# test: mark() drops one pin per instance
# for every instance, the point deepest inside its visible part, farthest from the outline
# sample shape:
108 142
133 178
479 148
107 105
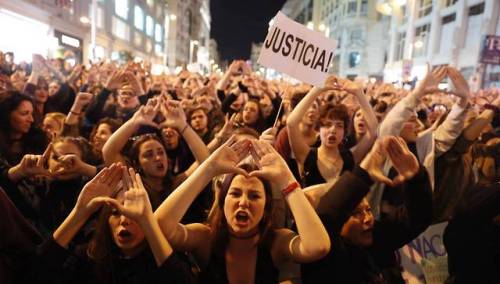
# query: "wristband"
183 129
74 112
494 108
291 187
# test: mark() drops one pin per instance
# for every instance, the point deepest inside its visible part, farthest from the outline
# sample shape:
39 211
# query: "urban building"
361 33
189 35
441 32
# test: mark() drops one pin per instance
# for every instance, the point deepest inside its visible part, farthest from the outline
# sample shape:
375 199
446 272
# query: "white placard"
294 49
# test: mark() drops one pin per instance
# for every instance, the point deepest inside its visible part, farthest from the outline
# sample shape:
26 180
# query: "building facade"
361 33
442 32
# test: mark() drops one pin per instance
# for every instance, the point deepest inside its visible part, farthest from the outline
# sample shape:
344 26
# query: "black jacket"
347 263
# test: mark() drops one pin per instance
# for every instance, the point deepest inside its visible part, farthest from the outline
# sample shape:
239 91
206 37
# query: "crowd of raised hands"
233 178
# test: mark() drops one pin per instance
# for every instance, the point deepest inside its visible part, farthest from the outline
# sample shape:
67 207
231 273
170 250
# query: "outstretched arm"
312 242
144 116
89 201
171 211
299 146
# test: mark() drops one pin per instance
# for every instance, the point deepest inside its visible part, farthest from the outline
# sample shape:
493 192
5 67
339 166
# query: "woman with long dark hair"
239 243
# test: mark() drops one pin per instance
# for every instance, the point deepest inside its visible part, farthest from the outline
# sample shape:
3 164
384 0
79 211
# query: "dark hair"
113 124
218 222
334 112
191 112
137 141
33 142
296 98
259 123
80 142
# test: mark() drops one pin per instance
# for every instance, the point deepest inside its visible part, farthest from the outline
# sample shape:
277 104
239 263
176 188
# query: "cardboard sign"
293 49
426 253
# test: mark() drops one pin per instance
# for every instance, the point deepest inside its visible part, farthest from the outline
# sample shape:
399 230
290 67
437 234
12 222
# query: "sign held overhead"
294 49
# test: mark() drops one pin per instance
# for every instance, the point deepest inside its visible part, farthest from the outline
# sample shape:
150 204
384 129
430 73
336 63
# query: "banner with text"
424 259
294 49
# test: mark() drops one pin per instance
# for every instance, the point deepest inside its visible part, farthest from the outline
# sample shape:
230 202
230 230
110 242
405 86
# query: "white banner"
424 259
293 49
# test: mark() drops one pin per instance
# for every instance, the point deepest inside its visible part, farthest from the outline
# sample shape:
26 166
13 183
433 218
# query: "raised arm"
446 134
402 111
137 207
476 127
144 116
176 118
92 196
300 148
365 144
312 242
171 211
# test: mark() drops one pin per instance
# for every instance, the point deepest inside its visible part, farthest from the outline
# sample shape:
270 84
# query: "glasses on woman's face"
361 213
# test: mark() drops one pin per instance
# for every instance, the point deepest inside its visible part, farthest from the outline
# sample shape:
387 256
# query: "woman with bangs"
148 153
330 159
239 245
127 245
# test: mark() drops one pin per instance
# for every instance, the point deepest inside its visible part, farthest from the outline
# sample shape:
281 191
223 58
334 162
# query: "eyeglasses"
360 214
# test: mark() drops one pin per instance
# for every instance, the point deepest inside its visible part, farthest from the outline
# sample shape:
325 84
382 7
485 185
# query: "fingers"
258 174
132 176
127 180
45 156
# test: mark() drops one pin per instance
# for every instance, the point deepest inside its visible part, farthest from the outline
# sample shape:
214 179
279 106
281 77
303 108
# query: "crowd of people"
110 174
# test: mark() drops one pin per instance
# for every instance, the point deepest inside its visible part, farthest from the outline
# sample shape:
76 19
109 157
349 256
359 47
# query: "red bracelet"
291 187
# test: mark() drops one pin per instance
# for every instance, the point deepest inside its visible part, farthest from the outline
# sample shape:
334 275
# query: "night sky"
238 23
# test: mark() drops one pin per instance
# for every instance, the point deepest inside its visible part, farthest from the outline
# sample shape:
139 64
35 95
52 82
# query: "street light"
84 20
310 25
383 7
173 17
418 44
322 27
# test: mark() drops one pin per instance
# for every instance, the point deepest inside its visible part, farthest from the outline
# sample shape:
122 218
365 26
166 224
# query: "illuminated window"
121 8
138 18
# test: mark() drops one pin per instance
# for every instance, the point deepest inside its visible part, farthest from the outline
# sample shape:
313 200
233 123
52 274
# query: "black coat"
347 263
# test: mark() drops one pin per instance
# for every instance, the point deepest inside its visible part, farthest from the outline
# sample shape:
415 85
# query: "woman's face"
127 234
153 159
331 132
199 120
244 205
359 123
41 96
127 100
21 118
170 138
312 115
358 229
102 135
51 127
250 113
60 149
53 88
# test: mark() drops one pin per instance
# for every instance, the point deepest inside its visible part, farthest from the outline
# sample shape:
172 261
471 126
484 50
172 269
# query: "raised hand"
35 165
403 160
374 161
134 82
145 115
136 205
99 189
460 87
271 164
226 158
269 135
174 115
82 99
115 80
347 85
431 80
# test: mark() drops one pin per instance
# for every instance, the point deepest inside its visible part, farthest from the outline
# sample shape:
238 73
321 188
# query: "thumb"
383 179
398 180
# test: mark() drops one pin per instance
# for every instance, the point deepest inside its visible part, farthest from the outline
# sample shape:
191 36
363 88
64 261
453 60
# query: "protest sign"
427 249
293 49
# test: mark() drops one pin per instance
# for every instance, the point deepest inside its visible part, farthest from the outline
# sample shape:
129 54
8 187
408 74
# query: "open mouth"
124 235
242 217
160 166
